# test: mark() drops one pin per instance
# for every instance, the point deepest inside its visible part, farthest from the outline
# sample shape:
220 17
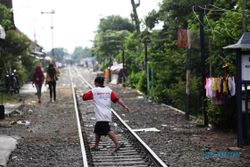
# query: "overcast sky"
74 21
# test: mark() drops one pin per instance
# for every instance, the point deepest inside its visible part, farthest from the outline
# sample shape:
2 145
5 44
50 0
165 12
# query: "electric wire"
209 27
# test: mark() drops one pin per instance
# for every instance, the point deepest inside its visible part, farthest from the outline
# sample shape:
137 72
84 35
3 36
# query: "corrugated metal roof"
243 43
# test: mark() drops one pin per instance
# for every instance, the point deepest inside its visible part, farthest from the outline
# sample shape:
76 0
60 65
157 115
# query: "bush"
177 94
223 116
135 80
27 68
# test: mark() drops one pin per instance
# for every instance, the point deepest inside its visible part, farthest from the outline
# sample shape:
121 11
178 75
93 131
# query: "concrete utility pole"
52 12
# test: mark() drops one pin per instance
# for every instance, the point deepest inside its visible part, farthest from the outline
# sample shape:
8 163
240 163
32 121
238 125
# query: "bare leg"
113 137
118 144
97 140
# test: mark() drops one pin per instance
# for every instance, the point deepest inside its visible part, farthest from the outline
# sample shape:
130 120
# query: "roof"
116 67
38 53
243 43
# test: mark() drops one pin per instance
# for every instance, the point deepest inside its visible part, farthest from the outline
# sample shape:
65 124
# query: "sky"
74 21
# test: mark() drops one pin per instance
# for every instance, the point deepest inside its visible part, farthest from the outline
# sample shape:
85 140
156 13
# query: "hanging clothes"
232 86
219 89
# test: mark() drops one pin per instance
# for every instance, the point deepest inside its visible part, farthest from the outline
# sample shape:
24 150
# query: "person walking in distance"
51 81
102 97
38 79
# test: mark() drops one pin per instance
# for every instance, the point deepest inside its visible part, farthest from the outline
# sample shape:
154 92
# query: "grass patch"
7 98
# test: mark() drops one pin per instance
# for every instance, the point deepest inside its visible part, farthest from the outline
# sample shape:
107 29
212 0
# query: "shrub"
223 116
137 80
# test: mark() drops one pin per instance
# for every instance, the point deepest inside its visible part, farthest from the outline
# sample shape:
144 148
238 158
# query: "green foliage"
223 116
177 13
15 49
16 43
115 23
152 19
7 98
80 53
27 67
222 26
176 93
137 80
110 38
142 83
5 17
59 54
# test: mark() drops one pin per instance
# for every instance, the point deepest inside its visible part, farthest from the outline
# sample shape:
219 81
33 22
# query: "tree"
80 53
135 17
115 23
222 25
59 54
5 17
110 37
14 49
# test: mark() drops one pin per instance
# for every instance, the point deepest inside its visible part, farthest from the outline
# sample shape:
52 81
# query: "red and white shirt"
102 97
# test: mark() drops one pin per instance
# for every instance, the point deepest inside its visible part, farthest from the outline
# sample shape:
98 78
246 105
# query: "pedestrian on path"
51 78
102 97
38 79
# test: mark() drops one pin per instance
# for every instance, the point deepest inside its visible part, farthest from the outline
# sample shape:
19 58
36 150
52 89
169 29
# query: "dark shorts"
102 128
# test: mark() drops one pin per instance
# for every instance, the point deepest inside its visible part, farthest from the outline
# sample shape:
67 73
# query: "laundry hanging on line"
219 89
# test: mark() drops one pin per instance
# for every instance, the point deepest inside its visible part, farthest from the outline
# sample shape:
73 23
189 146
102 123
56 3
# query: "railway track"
135 153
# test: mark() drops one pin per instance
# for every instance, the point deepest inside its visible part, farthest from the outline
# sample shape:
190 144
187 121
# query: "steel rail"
149 150
84 155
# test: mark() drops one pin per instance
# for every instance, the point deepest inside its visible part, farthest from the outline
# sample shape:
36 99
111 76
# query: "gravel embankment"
179 142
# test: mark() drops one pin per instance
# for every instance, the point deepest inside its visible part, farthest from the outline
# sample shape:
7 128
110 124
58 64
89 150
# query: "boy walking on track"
102 97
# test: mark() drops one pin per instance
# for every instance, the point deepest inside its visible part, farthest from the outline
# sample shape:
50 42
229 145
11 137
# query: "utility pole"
203 67
123 67
52 12
203 71
146 64
188 71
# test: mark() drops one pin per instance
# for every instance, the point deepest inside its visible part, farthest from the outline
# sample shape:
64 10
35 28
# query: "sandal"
120 145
